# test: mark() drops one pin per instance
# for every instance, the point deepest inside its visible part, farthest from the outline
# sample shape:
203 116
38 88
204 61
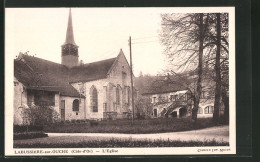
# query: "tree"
218 43
194 40
217 71
143 106
183 36
40 115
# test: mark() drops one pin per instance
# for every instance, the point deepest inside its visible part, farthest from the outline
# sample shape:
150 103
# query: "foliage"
30 128
144 82
40 115
126 126
29 135
143 106
117 143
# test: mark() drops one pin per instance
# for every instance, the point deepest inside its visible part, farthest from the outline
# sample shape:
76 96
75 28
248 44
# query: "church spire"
69 49
69 34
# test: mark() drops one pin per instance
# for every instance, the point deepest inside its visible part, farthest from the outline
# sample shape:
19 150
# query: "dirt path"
220 133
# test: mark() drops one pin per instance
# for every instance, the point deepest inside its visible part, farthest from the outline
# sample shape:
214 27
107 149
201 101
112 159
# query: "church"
76 91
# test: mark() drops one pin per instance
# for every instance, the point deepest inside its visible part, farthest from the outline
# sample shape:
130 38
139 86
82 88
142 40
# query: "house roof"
40 74
160 87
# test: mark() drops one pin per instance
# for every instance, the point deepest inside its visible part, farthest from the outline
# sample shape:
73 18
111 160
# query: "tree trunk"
218 74
198 88
225 100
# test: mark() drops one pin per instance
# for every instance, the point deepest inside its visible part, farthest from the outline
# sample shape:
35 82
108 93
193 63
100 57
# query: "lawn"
125 126
112 143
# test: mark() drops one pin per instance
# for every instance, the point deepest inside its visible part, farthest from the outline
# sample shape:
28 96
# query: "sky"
100 33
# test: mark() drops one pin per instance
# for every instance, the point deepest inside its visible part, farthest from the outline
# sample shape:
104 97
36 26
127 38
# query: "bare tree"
217 42
183 36
194 40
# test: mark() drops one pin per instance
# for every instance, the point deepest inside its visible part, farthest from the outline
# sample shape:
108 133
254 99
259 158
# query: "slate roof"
164 89
91 71
160 87
39 74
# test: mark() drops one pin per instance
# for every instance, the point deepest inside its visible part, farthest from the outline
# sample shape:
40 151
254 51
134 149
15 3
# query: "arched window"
94 99
128 95
200 111
75 105
118 97
209 110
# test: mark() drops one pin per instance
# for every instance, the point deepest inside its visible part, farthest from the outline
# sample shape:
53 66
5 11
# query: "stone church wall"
20 100
120 75
99 85
69 113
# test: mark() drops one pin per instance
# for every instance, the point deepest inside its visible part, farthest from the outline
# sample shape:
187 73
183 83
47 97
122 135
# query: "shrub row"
29 128
123 143
74 121
126 126
29 135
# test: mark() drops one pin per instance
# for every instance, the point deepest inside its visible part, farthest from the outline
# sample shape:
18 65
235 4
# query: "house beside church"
174 100
98 90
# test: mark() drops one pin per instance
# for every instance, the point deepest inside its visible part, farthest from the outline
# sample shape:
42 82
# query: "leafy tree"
40 115
143 106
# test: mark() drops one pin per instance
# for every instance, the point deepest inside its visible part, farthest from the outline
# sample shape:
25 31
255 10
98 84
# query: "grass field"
113 143
125 126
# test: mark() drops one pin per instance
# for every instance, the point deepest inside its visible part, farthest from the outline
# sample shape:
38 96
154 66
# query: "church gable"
120 68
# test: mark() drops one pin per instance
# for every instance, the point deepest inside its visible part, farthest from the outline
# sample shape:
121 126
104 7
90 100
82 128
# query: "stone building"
174 100
97 90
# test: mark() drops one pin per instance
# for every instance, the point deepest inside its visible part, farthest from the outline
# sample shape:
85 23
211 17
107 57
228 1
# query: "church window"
94 99
128 95
75 104
118 95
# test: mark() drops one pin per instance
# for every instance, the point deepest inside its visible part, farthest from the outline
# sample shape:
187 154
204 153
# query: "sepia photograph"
120 81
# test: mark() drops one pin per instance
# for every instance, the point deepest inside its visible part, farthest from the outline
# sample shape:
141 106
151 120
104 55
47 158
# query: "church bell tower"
69 49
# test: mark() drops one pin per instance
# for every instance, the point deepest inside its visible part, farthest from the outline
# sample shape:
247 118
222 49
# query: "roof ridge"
99 61
43 59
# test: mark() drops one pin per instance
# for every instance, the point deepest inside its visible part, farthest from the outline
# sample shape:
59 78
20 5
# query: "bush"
67 121
40 115
27 128
29 135
83 121
125 126
93 123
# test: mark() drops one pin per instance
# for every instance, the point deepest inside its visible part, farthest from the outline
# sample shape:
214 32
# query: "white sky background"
99 33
